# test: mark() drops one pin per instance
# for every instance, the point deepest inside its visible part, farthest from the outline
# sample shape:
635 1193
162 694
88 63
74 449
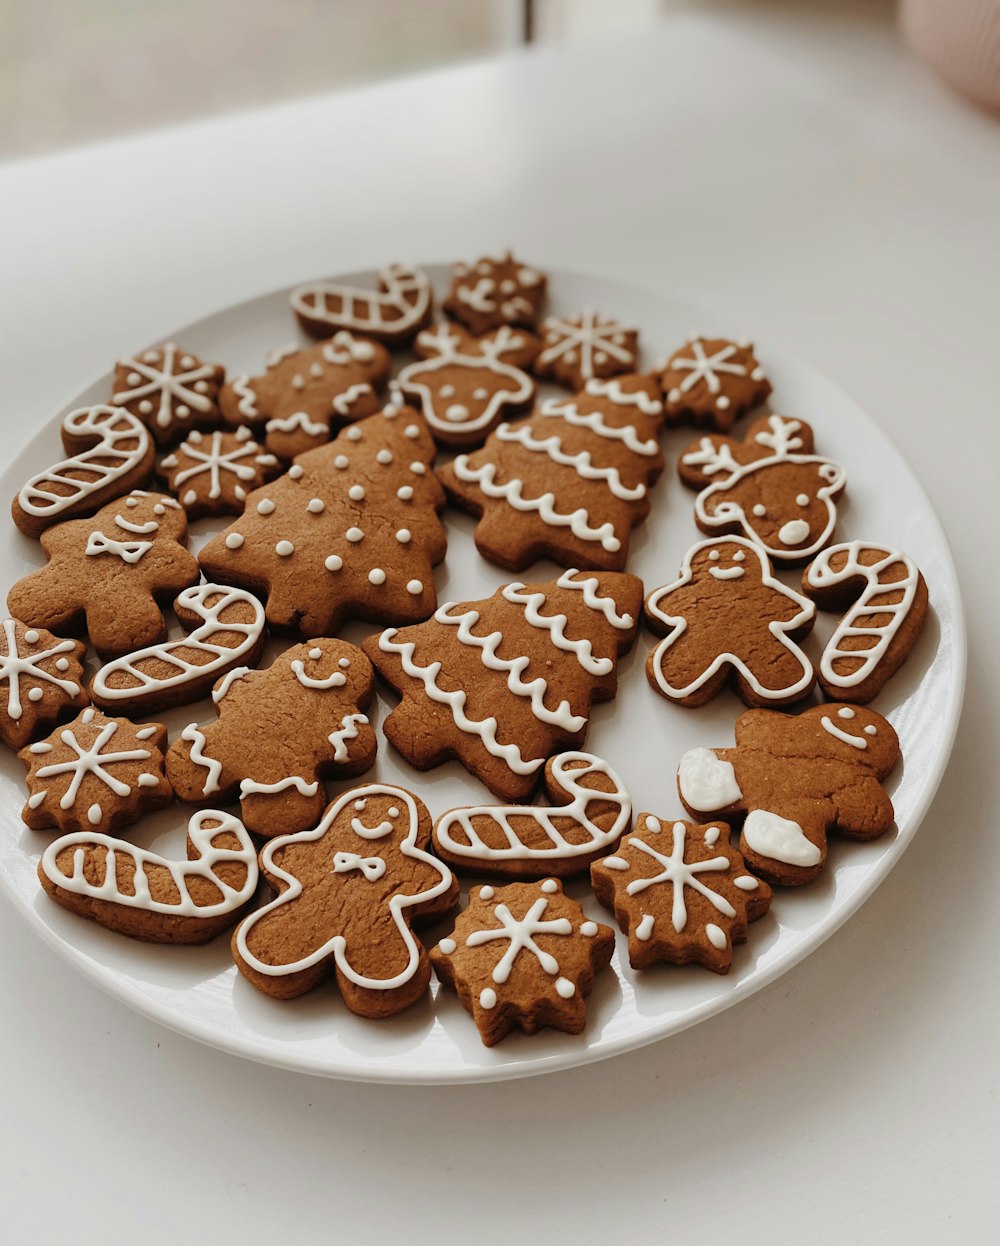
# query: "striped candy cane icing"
402 306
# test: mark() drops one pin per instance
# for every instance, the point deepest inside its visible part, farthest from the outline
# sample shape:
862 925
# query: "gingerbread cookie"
228 631
305 392
885 599
97 774
467 385
148 896
212 473
523 956
402 306
110 571
110 452
44 678
795 779
712 382
502 684
681 893
728 620
587 347
170 390
494 291
352 531
348 893
568 483
278 732
589 810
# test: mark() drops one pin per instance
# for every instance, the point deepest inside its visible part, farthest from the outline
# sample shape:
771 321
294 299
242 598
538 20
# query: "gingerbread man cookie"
523 956
212 473
728 620
793 780
171 390
494 291
401 307
712 382
44 678
348 892
587 347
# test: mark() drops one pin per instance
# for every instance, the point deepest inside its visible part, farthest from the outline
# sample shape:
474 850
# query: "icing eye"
845 713
714 555
802 499
359 805
760 510
871 729
393 811
739 556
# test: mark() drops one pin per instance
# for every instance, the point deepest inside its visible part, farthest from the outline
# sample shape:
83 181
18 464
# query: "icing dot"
384 456
746 883
486 893
145 406
376 576
201 386
354 535
341 461
315 653
296 472
146 733
62 664
159 510
722 402
739 556
480 394
334 562
589 929
600 357
133 378
757 374
359 805
183 411
403 536
393 811
404 492
802 499
31 636
714 555
35 694
712 836
564 988
412 431
148 780
234 540
187 361
390 411
344 663
652 824
447 946
457 413
415 587
488 998
94 814
284 548
447 391
353 433
131 501
417 469
549 886
871 729
716 935
265 506
190 497
760 510
356 493
674 395
315 506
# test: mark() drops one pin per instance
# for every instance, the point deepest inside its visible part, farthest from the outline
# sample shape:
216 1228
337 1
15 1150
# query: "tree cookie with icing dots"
523 956
792 781
110 572
494 291
170 389
44 678
466 385
569 483
587 347
680 892
96 774
278 731
212 473
727 619
351 531
349 891
502 684
305 392
402 305
712 382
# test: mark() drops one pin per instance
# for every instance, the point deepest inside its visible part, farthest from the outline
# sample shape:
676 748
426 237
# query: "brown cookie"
147 896
523 956
110 572
795 779
348 892
352 531
885 599
401 307
278 731
568 483
170 390
44 678
212 473
712 382
228 632
727 619
96 774
587 347
680 892
110 452
590 810
494 291
502 684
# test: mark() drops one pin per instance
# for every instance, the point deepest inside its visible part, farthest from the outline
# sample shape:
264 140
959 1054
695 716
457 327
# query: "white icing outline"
348 730
193 734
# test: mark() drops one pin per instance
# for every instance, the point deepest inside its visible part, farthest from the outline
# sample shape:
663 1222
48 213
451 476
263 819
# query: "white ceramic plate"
197 990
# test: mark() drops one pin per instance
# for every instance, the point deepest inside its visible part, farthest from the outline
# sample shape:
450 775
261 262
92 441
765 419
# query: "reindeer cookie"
212 473
495 291
43 675
402 306
587 347
467 384
278 731
110 571
170 389
727 619
793 780
712 382
348 892
769 486
523 956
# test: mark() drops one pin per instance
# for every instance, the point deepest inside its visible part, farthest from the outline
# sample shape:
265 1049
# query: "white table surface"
805 175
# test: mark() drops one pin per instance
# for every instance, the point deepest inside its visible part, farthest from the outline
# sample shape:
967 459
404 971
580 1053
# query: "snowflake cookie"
44 681
170 390
711 382
587 347
680 892
212 473
494 291
402 305
349 890
523 956
96 774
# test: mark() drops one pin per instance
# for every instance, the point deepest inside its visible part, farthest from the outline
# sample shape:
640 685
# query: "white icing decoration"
487 998
593 334
372 868
394 313
831 727
581 462
447 946
521 934
779 838
681 874
348 731
215 461
196 738
14 665
706 367
644 930
716 936
243 388
595 600
612 390
127 551
706 782
227 681
91 759
415 587
555 408
160 380
342 403
298 420
251 787
336 679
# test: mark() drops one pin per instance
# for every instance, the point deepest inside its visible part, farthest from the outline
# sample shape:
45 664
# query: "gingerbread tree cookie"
348 892
569 483
212 473
494 291
523 956
278 731
110 571
97 774
680 892
170 390
305 392
351 531
792 781
502 684
402 305
727 619
712 382
44 680
587 347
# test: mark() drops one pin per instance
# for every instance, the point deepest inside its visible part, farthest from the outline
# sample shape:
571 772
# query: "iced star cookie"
42 676
96 774
680 892
523 956
401 306
349 891
494 291
792 781
727 619
170 389
712 382
212 473
587 347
